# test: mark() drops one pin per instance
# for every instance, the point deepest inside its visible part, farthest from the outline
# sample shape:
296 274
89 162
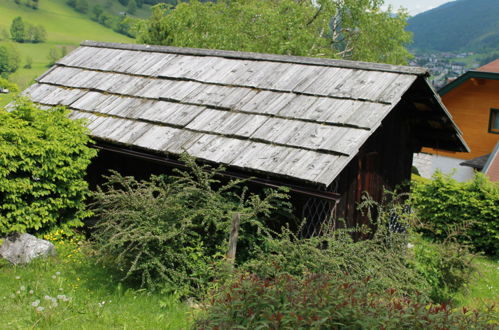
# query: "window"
494 121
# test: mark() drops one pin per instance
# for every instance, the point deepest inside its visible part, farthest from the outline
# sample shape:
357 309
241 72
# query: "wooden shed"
327 129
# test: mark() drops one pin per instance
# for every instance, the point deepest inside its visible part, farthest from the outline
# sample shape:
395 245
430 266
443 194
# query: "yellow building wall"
469 105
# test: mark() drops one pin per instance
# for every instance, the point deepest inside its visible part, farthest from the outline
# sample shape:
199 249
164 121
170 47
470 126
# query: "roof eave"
463 78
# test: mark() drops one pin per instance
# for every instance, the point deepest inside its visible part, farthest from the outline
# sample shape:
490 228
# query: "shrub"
12 87
169 233
446 266
445 205
9 60
384 257
323 301
43 159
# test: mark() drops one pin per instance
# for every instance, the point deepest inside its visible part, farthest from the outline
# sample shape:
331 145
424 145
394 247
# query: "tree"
132 7
40 34
17 29
96 12
81 6
47 155
9 60
53 55
29 63
349 29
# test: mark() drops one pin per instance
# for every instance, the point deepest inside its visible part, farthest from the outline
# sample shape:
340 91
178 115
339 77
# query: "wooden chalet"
473 101
327 129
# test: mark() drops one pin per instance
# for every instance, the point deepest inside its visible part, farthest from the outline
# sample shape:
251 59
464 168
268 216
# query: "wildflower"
18 292
35 303
54 304
54 301
39 309
23 288
54 277
12 295
31 291
60 289
101 304
18 277
58 273
47 297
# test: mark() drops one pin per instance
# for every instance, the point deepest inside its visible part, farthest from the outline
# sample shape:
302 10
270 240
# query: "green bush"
446 266
336 253
43 160
323 301
12 87
445 206
384 257
171 233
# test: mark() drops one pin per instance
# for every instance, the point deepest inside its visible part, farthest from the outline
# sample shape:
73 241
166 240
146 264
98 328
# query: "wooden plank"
153 70
331 170
298 106
276 130
261 101
181 141
269 75
73 56
155 88
91 101
234 233
208 95
156 137
235 96
291 77
394 92
227 123
260 57
62 96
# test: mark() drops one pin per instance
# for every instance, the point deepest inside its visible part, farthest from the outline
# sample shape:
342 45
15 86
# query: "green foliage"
17 29
12 87
9 60
357 30
446 266
21 31
131 7
170 233
43 159
446 206
384 257
323 301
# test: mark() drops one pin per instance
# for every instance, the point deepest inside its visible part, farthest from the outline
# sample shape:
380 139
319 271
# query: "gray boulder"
22 248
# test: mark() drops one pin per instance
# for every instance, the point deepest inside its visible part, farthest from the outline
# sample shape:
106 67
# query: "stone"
22 248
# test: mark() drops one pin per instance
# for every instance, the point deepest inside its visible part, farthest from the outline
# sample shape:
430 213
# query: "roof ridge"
262 57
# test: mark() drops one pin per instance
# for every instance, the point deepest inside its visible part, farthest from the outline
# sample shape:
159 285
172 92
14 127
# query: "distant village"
445 66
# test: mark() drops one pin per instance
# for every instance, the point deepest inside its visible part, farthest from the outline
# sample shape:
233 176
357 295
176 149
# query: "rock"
22 248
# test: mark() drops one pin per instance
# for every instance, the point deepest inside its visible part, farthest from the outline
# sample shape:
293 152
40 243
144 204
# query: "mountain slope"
64 26
457 25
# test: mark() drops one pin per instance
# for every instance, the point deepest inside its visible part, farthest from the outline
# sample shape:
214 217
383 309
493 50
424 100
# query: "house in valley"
327 129
473 101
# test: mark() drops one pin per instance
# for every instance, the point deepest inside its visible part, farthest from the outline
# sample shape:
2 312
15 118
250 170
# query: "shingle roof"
491 168
302 118
490 67
477 163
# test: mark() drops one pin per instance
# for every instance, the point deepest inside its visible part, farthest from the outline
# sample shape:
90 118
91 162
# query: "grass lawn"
483 289
65 27
71 292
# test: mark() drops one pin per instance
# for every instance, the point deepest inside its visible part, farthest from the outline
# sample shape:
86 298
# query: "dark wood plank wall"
384 162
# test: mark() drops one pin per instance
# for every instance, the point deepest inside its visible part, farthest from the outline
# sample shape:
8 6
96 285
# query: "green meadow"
65 28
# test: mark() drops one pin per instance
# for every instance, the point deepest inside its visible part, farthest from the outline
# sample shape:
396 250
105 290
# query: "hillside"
65 28
470 25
